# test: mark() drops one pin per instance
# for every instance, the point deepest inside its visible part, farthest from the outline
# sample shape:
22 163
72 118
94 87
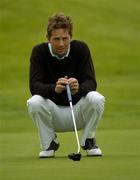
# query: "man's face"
60 40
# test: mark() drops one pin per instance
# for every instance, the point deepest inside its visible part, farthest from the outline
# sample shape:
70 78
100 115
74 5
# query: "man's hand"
74 85
61 84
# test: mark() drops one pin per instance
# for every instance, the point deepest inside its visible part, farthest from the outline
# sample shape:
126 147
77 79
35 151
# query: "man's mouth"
60 49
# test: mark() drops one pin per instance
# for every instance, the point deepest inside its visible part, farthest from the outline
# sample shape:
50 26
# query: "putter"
73 156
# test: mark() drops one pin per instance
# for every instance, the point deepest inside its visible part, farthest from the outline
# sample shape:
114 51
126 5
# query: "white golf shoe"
94 152
50 152
91 148
47 154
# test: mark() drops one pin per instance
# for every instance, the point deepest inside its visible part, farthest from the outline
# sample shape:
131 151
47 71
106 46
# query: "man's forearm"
44 90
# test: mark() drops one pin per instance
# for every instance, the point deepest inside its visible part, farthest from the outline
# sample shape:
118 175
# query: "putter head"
75 156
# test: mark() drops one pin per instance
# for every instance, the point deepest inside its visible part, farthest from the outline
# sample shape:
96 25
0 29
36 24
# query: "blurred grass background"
112 31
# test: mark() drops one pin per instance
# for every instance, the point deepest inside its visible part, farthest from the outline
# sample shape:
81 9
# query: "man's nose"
61 43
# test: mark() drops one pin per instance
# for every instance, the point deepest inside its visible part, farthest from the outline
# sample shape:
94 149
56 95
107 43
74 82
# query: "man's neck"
55 55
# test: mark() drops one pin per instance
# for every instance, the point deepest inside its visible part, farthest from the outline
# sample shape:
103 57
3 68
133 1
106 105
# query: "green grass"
112 31
120 160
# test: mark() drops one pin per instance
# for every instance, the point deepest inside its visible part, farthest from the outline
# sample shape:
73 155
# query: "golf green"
112 31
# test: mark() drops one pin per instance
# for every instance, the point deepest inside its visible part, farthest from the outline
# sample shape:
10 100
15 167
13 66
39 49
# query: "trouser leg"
39 110
92 107
50 118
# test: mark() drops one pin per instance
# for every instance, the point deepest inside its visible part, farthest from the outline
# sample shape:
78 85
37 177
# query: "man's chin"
61 54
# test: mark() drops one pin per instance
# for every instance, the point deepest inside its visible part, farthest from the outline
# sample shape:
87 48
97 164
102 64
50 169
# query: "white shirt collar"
54 55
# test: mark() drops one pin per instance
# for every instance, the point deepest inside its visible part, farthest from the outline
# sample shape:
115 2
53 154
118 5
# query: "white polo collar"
56 56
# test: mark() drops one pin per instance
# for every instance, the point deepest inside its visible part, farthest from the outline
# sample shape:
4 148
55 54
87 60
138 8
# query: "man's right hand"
61 84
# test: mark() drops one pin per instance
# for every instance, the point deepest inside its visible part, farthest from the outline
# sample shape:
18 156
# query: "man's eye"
56 39
65 38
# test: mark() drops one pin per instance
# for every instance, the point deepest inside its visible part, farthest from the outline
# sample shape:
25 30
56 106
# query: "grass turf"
112 31
120 160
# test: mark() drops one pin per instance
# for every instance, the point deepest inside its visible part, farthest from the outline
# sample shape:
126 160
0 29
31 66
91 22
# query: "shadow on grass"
33 159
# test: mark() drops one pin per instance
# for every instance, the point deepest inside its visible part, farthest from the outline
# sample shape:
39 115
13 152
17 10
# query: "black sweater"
46 69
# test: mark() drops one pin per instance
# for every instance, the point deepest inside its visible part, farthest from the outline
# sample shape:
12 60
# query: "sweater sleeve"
86 72
37 85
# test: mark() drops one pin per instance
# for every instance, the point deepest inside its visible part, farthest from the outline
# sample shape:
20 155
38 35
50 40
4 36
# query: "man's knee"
95 99
34 103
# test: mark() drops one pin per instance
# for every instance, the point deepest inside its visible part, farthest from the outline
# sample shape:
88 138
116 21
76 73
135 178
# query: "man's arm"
86 72
37 85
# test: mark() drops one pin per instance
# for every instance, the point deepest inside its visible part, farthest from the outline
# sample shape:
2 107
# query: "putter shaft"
75 127
73 117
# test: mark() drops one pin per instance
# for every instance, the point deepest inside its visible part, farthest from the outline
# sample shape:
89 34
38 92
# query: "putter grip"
69 93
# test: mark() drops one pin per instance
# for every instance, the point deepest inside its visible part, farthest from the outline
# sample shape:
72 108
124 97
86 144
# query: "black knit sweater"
46 69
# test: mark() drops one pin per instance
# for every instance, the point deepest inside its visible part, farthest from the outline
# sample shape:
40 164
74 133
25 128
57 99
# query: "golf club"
73 156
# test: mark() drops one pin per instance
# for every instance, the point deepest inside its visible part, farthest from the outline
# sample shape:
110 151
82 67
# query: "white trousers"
51 118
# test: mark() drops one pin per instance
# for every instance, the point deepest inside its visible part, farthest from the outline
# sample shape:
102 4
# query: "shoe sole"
96 155
43 157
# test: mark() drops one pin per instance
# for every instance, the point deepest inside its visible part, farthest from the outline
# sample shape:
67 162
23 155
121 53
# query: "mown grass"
112 31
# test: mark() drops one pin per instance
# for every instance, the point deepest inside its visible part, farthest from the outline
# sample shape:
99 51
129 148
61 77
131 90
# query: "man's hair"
59 21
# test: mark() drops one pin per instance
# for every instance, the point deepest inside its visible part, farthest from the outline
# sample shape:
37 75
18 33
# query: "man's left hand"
74 85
